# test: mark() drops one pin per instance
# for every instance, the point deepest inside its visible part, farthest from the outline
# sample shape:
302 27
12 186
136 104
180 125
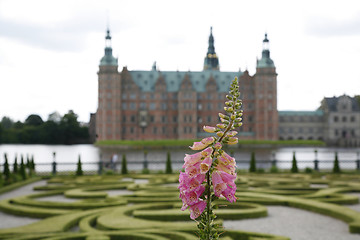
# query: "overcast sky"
50 50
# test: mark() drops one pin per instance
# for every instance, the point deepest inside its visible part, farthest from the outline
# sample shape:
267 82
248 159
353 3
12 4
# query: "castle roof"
146 79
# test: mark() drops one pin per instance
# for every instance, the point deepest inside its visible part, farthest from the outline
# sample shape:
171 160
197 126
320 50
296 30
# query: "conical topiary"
294 168
79 171
168 169
6 169
336 168
124 165
252 163
22 168
15 167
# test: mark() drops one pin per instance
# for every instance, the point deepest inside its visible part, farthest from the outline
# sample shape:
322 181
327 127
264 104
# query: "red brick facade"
134 105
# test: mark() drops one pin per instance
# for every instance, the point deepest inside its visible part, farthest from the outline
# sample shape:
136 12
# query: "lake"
67 156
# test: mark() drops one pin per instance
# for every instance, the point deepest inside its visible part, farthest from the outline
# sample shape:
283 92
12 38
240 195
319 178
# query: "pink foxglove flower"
211 173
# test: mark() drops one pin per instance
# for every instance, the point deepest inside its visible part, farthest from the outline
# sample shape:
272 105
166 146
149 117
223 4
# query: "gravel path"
8 220
296 224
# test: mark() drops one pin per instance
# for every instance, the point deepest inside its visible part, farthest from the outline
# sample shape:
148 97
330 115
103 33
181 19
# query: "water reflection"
90 156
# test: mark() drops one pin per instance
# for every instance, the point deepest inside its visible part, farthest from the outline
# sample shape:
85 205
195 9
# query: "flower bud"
220 133
217 146
229 109
209 129
231 133
229 103
239 124
233 140
220 125
223 116
238 120
224 121
232 117
229 97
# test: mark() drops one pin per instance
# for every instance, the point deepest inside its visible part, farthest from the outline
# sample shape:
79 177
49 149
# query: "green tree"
336 168
124 169
15 167
22 169
1 133
168 169
7 122
79 171
294 167
6 169
34 120
252 163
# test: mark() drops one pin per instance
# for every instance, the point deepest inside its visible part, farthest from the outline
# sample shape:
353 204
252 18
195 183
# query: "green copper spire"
265 60
211 61
108 59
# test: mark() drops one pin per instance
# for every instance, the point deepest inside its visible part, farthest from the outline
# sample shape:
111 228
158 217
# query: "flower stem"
208 212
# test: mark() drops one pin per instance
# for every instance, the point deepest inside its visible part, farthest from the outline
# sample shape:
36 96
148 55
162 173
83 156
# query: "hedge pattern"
150 209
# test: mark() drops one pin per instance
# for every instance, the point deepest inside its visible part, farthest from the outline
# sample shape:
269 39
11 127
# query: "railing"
101 167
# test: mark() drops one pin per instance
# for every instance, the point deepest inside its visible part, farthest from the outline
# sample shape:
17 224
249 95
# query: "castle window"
155 130
142 105
174 118
131 130
152 106
352 118
124 129
199 120
132 96
174 106
163 106
152 118
220 106
199 106
344 119
123 96
124 106
124 118
132 106
175 130
209 106
209 119
163 119
163 130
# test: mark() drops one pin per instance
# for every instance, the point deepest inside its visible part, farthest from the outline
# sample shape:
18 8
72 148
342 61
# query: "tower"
108 112
266 114
211 61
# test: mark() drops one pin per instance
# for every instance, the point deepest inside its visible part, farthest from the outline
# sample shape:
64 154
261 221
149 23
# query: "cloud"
69 35
330 27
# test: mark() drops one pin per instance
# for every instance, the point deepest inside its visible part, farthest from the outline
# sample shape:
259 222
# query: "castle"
147 105
136 105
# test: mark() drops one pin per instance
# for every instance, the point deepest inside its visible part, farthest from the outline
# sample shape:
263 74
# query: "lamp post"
54 164
316 161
